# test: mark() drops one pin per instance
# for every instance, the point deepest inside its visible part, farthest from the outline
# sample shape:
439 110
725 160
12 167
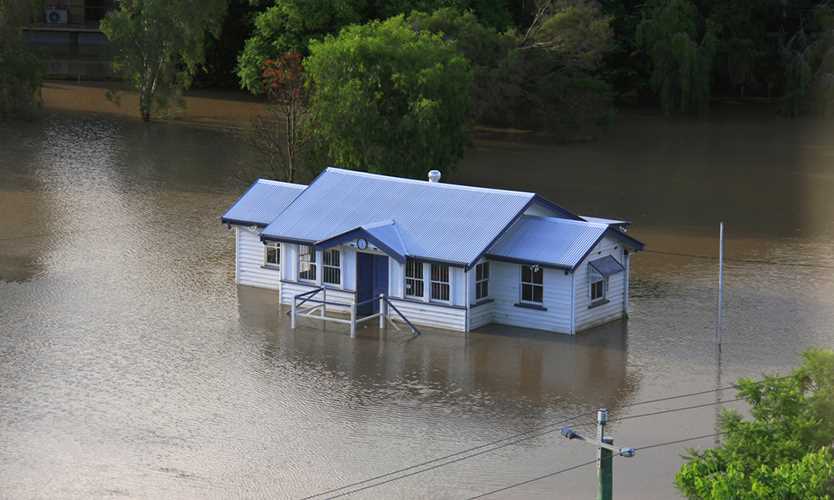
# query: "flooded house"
442 255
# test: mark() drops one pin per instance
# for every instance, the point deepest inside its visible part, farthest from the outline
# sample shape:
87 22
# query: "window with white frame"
598 285
272 254
440 282
306 263
482 281
331 264
532 284
414 278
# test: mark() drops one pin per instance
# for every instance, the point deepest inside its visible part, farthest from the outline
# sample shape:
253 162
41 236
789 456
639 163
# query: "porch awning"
607 266
384 235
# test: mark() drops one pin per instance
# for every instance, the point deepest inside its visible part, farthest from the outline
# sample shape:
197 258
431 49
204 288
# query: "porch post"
292 314
381 311
353 320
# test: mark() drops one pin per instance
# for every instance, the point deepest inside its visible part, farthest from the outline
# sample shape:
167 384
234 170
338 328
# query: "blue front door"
371 281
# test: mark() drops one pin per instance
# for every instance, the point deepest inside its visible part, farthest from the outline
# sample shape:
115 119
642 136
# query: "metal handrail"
311 293
414 329
367 301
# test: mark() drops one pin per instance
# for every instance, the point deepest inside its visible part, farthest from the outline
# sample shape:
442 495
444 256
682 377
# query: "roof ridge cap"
443 185
279 183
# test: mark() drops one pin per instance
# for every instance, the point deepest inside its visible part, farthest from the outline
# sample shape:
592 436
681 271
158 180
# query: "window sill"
598 303
530 306
423 302
482 302
271 267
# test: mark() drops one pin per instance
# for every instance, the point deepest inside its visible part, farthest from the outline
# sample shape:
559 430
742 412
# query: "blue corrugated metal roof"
384 235
607 265
436 221
263 201
548 241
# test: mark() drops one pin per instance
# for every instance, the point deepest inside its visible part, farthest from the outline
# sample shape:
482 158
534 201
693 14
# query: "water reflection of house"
67 31
503 365
446 256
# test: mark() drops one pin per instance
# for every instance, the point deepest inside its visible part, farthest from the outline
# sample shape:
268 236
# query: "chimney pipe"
434 176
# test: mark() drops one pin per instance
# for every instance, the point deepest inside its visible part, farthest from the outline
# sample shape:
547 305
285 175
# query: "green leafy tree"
21 70
495 14
681 48
160 44
742 48
389 98
552 77
483 46
784 451
288 26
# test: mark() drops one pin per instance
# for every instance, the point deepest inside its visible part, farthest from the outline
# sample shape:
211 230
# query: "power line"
525 436
678 441
745 261
545 476
669 410
517 438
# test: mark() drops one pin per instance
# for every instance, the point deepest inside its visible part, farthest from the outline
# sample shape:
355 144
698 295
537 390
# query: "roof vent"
434 175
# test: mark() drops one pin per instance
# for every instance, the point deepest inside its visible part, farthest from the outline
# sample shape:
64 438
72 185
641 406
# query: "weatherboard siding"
289 290
505 290
433 315
249 252
481 314
588 317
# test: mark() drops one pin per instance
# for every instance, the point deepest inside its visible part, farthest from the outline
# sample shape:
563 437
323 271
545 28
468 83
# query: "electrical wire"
545 476
513 439
491 446
678 441
745 261
669 410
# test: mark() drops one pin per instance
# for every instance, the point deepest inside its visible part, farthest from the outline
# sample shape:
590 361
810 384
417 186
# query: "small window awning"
607 266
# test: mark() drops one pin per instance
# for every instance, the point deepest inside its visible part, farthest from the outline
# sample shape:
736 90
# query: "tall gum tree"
160 44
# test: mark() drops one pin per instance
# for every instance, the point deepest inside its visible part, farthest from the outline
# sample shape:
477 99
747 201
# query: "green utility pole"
605 454
605 466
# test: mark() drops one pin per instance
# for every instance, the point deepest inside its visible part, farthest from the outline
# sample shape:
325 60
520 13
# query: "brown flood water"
130 364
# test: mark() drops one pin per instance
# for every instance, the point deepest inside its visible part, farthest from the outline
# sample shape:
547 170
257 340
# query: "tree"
288 26
553 75
482 46
160 44
681 49
784 451
493 14
281 135
388 98
21 70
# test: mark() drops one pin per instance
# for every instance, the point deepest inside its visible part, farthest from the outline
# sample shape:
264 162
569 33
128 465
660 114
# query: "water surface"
132 366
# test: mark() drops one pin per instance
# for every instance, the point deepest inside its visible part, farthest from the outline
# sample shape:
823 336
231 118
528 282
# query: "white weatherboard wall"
587 317
423 312
505 289
249 252
291 286
480 312
432 315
